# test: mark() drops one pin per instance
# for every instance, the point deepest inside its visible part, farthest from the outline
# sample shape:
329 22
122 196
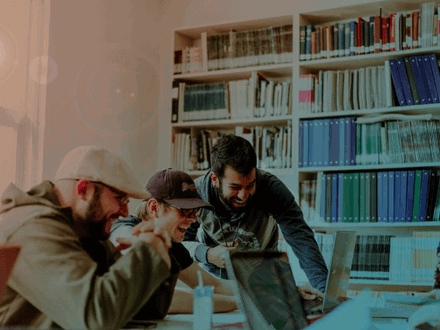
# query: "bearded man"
250 206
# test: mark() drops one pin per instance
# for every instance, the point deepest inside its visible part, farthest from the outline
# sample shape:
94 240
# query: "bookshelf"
290 68
306 174
199 65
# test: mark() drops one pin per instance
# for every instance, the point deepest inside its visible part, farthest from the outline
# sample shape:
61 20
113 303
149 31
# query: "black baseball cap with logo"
176 188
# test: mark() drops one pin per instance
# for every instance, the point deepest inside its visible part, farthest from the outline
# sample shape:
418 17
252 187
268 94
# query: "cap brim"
138 194
189 203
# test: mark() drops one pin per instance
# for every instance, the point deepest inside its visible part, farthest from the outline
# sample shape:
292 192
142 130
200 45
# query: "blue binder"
419 81
395 75
405 82
410 195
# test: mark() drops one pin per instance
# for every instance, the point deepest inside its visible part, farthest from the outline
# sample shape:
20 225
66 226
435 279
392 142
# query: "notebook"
8 256
268 295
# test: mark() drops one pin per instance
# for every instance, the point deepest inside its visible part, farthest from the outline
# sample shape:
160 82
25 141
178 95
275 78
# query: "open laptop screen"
267 290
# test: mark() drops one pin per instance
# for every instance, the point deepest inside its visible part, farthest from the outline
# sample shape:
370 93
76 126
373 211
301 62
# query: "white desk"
185 321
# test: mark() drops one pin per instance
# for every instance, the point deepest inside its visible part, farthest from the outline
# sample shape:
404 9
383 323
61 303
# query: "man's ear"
153 206
83 187
214 179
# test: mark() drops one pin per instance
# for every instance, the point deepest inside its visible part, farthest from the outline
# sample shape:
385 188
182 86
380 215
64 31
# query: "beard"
95 219
228 200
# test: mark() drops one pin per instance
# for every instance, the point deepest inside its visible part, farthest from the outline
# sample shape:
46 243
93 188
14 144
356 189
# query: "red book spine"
392 32
385 34
377 35
415 29
359 36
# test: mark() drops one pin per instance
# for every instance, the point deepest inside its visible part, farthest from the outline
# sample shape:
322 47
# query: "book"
391 209
435 72
424 75
395 75
424 194
373 197
175 102
410 195
421 89
432 194
334 198
417 195
426 64
412 81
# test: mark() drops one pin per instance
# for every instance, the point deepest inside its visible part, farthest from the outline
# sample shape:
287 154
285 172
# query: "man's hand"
153 227
216 255
152 240
307 292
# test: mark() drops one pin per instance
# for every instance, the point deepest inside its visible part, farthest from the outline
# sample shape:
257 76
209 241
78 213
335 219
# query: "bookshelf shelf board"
407 110
275 171
385 282
222 123
194 32
381 167
415 225
361 61
269 71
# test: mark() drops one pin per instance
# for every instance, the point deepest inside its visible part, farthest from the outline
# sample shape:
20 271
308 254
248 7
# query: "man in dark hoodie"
250 205
68 273
175 203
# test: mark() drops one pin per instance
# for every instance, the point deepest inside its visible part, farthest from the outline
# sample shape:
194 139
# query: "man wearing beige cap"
175 203
69 274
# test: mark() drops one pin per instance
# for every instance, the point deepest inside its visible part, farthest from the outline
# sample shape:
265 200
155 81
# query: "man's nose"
242 194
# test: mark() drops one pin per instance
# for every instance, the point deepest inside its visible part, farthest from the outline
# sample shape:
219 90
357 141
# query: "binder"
403 194
355 197
426 64
334 198
432 194
334 142
341 199
435 72
405 82
391 196
412 81
397 202
417 195
410 195
326 142
425 80
373 197
424 195
397 83
419 82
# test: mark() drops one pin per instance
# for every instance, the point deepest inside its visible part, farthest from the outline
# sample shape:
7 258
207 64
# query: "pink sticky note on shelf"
8 256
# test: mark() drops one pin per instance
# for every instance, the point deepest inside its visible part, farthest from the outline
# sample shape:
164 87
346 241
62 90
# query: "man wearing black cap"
174 205
250 205
68 274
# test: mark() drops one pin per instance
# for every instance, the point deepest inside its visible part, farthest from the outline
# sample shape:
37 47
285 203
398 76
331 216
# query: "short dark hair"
234 151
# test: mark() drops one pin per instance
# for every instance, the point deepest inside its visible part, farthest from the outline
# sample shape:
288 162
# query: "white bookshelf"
192 36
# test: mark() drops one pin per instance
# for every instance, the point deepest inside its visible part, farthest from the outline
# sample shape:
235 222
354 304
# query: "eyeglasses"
121 197
188 213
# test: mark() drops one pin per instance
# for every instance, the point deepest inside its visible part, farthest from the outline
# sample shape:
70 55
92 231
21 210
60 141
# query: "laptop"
338 275
8 256
268 295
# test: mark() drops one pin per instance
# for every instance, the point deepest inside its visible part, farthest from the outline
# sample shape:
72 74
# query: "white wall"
107 89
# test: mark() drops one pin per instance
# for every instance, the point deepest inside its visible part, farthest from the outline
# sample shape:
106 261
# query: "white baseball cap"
98 164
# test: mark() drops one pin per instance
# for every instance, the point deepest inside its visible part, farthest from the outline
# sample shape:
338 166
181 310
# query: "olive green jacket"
63 280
